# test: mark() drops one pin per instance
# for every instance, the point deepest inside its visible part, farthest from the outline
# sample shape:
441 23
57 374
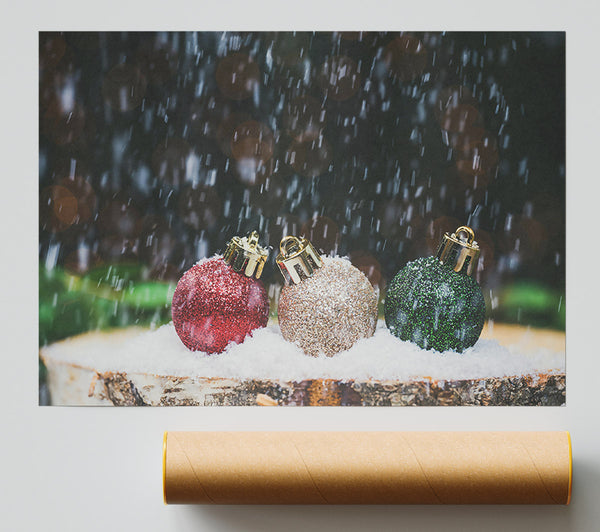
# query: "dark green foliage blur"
106 297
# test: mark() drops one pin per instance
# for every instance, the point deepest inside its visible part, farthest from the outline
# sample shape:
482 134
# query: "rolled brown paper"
367 467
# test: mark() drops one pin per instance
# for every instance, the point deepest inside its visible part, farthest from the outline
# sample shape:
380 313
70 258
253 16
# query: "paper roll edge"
164 467
570 467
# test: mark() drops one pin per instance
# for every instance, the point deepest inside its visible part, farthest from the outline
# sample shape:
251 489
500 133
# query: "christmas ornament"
326 304
434 302
220 300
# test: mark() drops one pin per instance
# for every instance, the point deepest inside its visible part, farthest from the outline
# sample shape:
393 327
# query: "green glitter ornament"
434 302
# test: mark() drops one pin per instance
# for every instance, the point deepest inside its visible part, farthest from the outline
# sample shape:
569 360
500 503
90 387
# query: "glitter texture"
213 305
435 307
328 312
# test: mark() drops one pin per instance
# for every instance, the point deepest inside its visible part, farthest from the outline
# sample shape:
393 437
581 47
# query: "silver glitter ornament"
326 304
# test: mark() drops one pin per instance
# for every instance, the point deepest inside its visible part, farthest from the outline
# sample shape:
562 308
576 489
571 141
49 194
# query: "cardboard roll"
367 467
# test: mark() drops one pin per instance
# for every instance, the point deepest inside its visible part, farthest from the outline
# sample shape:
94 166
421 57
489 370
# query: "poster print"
302 218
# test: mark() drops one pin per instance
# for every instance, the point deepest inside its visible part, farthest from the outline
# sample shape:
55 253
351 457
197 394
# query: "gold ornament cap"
459 253
245 256
297 259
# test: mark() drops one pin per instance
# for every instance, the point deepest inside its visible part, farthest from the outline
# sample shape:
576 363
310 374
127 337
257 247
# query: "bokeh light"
340 77
156 148
323 232
252 140
369 265
405 57
124 87
304 118
169 161
200 208
237 76
158 62
311 158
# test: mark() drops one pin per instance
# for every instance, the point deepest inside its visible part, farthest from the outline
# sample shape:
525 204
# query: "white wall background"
100 468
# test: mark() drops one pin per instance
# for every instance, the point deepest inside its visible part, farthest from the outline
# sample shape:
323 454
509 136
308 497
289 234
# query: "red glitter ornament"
219 300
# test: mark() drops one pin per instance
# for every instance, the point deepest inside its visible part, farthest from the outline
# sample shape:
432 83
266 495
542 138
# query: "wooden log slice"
73 384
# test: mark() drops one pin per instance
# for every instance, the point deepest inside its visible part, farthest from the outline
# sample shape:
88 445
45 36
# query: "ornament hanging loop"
470 234
297 259
289 245
253 240
461 255
245 256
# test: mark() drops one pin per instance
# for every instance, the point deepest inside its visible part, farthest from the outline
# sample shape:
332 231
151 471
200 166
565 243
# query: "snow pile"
266 355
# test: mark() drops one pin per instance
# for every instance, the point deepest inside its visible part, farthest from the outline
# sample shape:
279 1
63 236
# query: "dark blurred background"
156 148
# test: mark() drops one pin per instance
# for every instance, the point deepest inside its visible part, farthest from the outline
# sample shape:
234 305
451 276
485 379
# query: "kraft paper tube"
367 467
